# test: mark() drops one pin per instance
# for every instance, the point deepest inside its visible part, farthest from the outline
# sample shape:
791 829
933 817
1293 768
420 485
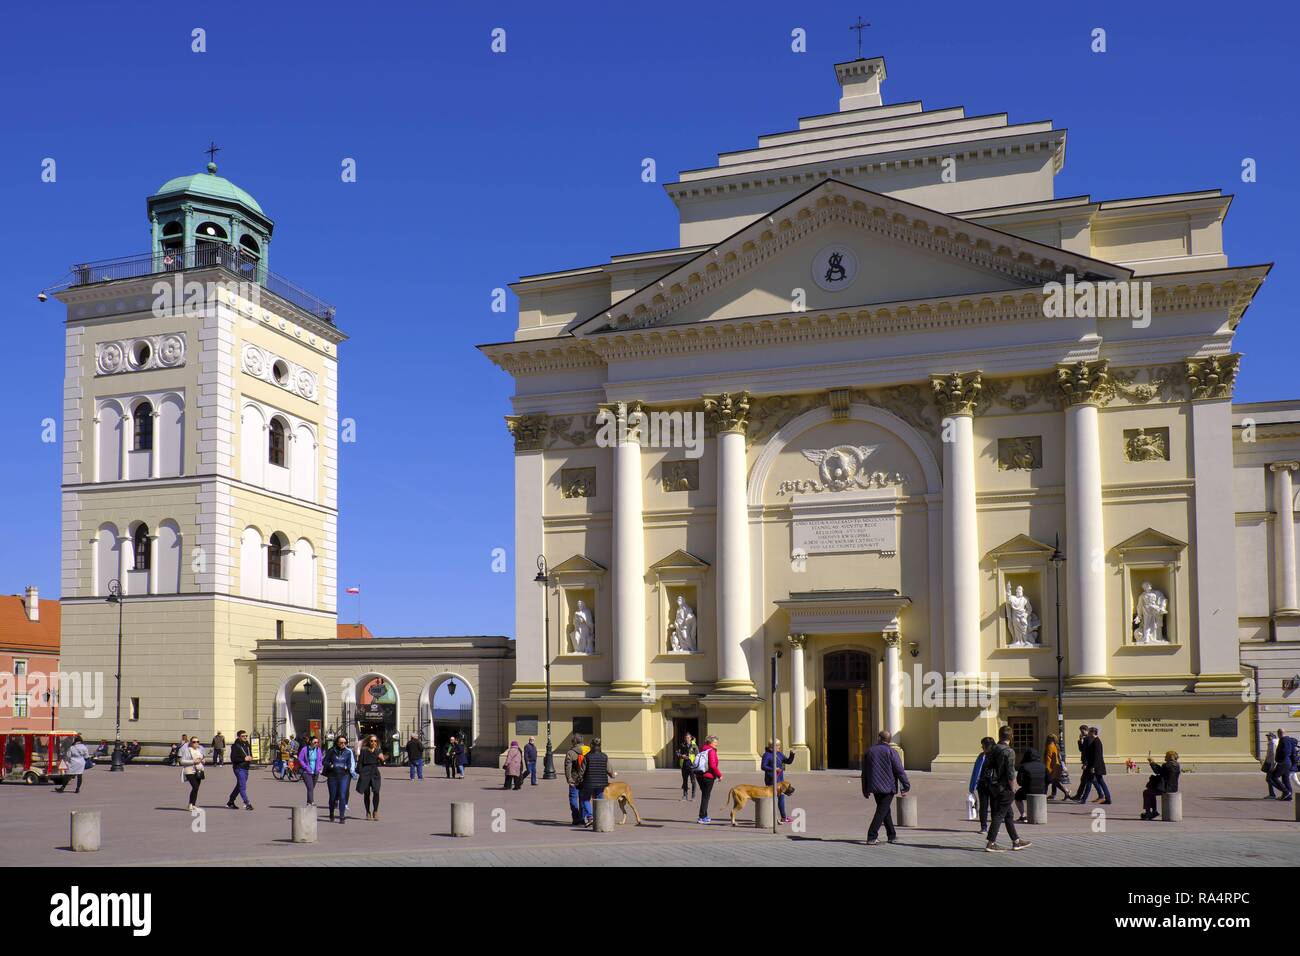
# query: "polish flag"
354 590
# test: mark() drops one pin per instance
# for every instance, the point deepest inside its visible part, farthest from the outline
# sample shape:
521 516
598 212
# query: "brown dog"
620 791
742 793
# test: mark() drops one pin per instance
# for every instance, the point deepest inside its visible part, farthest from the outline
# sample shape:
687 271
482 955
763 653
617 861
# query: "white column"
798 698
893 681
155 453
956 395
629 552
153 564
729 414
1085 566
1284 537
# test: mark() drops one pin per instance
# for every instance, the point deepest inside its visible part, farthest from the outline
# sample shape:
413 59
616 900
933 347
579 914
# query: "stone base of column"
628 687
802 758
735 687
528 691
1218 683
1089 682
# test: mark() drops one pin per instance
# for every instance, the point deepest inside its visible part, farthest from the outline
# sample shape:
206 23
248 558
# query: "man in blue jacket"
1285 757
978 788
882 777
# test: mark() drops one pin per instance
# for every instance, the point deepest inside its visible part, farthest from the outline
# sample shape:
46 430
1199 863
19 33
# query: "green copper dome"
210 185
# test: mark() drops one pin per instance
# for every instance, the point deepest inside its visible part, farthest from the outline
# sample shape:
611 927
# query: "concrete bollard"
1171 807
303 824
462 819
85 831
1036 807
605 815
764 807
905 810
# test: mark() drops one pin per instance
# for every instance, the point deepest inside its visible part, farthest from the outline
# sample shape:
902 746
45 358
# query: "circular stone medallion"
834 268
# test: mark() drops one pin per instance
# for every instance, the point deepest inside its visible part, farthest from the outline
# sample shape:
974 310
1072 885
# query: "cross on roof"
213 148
860 26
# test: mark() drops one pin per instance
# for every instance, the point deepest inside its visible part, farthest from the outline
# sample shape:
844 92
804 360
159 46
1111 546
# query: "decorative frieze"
727 412
1213 376
1146 444
957 393
1020 454
1083 383
269 367
140 354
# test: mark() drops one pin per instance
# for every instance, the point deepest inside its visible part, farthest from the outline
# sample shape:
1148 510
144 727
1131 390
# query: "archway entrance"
846 705
376 709
448 708
301 706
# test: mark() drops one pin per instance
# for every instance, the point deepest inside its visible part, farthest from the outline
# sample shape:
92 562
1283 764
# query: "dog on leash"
620 791
742 793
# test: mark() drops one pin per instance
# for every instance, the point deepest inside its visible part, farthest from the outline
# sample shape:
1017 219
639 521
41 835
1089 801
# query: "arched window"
276 453
140 546
275 556
143 418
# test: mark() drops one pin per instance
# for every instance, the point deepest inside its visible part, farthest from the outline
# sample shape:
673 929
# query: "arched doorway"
375 708
448 708
846 707
300 706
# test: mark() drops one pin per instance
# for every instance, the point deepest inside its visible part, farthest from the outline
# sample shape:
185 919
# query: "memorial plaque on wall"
1223 726
526 725
584 725
839 535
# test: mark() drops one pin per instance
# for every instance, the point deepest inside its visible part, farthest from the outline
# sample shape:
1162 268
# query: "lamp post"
115 596
544 579
1057 559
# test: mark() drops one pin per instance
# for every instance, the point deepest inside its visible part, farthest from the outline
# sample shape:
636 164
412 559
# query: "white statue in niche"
1022 622
1149 616
682 633
582 633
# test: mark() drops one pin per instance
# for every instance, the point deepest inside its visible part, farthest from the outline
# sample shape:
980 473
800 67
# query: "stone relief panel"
140 354
682 475
578 482
269 367
1020 454
1146 444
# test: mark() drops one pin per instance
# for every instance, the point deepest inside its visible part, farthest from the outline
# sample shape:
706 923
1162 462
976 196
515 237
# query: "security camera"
41 296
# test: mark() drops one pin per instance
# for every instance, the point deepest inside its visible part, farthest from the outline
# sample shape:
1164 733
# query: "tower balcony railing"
206 255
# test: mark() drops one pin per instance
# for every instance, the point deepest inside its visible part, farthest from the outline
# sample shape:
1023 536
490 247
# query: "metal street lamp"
115 596
544 579
1057 559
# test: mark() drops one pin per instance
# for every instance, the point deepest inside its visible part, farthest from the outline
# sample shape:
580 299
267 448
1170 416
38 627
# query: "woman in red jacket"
708 756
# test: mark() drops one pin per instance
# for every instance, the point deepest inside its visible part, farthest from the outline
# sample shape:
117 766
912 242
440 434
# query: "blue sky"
475 168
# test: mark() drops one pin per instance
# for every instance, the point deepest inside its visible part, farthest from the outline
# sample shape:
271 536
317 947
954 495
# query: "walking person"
596 775
1031 780
530 759
340 771
449 758
219 750
1284 763
78 759
1096 768
1057 775
882 777
312 761
415 757
462 759
685 754
578 810
240 763
1085 774
514 767
773 766
706 765
978 789
1163 779
190 758
1000 772
368 778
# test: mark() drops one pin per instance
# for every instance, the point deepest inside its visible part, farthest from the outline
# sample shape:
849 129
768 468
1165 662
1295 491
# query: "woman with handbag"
78 761
190 758
1057 775
514 767
368 779
340 769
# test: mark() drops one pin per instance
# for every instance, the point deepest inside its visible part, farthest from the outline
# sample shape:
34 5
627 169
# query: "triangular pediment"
844 247
1150 540
680 560
1021 546
578 564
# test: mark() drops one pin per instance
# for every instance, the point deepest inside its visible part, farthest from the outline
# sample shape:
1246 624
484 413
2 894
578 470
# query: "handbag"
971 813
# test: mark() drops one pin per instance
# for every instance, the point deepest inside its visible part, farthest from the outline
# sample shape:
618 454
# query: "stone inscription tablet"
845 534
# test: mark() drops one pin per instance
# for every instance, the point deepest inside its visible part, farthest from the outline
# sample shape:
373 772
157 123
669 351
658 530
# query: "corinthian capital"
529 431
797 641
1083 383
957 392
1213 376
624 418
728 412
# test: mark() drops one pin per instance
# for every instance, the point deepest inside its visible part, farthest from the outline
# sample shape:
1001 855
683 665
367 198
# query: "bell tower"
200 467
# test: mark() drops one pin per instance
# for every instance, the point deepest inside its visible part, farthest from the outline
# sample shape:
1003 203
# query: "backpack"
990 778
701 762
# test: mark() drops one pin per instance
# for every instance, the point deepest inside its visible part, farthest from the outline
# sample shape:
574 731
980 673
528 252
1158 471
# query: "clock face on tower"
835 267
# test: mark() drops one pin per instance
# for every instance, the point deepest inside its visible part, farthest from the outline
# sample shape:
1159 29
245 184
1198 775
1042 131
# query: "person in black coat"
595 775
1094 768
1031 778
1163 779
1085 775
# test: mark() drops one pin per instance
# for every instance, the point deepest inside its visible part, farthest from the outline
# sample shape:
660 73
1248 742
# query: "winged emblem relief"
841 468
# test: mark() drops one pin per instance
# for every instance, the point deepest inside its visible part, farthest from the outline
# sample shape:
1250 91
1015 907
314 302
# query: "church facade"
892 439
